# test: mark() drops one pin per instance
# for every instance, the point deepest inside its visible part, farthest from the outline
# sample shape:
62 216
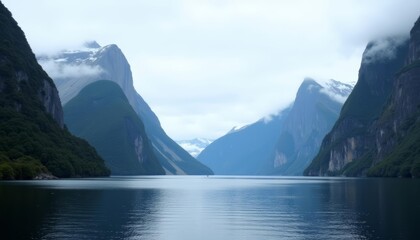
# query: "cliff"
18 61
316 108
32 139
377 133
397 131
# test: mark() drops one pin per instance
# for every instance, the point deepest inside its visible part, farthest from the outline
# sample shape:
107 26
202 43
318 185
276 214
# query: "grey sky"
206 66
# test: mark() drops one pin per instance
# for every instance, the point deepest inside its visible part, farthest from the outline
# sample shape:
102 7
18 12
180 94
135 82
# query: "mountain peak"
334 89
337 87
91 44
111 49
309 80
308 86
108 62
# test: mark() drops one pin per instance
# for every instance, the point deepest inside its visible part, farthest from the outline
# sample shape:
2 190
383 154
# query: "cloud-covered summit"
383 49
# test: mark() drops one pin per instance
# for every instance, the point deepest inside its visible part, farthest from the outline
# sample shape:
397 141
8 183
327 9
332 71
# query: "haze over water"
211 208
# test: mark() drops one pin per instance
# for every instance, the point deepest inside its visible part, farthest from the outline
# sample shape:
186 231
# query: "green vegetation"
404 161
39 139
362 104
359 166
102 115
31 141
24 167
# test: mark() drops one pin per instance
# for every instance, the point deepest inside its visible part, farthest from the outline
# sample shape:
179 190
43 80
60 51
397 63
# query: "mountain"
194 146
315 110
245 151
73 70
284 143
33 140
101 114
378 132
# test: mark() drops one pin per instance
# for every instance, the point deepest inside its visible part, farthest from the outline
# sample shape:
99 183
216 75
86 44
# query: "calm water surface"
211 208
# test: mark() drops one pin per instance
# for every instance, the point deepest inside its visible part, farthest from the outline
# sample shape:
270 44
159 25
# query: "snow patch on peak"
195 146
336 90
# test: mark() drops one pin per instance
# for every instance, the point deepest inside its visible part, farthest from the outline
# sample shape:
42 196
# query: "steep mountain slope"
32 138
314 112
73 70
101 114
397 131
282 144
366 131
194 146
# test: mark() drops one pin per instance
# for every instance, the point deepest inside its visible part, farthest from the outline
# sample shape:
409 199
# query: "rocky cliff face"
414 47
25 74
73 70
316 108
396 132
33 143
48 95
283 144
376 121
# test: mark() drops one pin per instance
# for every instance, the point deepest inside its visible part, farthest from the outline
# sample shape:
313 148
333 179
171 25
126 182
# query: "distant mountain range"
74 70
378 131
195 146
282 144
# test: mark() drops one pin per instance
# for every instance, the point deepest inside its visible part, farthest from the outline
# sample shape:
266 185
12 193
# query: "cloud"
358 22
193 149
336 97
59 70
383 49
205 66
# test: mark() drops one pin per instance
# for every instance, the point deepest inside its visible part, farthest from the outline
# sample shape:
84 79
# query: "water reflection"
210 208
93 214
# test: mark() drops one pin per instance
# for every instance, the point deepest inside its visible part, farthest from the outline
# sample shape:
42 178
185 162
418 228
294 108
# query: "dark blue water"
211 208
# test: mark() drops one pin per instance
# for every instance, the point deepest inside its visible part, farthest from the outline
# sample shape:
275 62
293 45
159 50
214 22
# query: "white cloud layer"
206 66
57 70
383 48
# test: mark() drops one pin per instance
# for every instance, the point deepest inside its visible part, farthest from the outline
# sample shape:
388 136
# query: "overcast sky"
207 66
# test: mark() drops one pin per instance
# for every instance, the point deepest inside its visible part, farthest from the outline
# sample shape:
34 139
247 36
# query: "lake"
215 207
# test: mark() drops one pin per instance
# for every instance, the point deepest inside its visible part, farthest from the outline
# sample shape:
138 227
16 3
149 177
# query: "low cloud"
61 70
383 49
336 97
205 66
